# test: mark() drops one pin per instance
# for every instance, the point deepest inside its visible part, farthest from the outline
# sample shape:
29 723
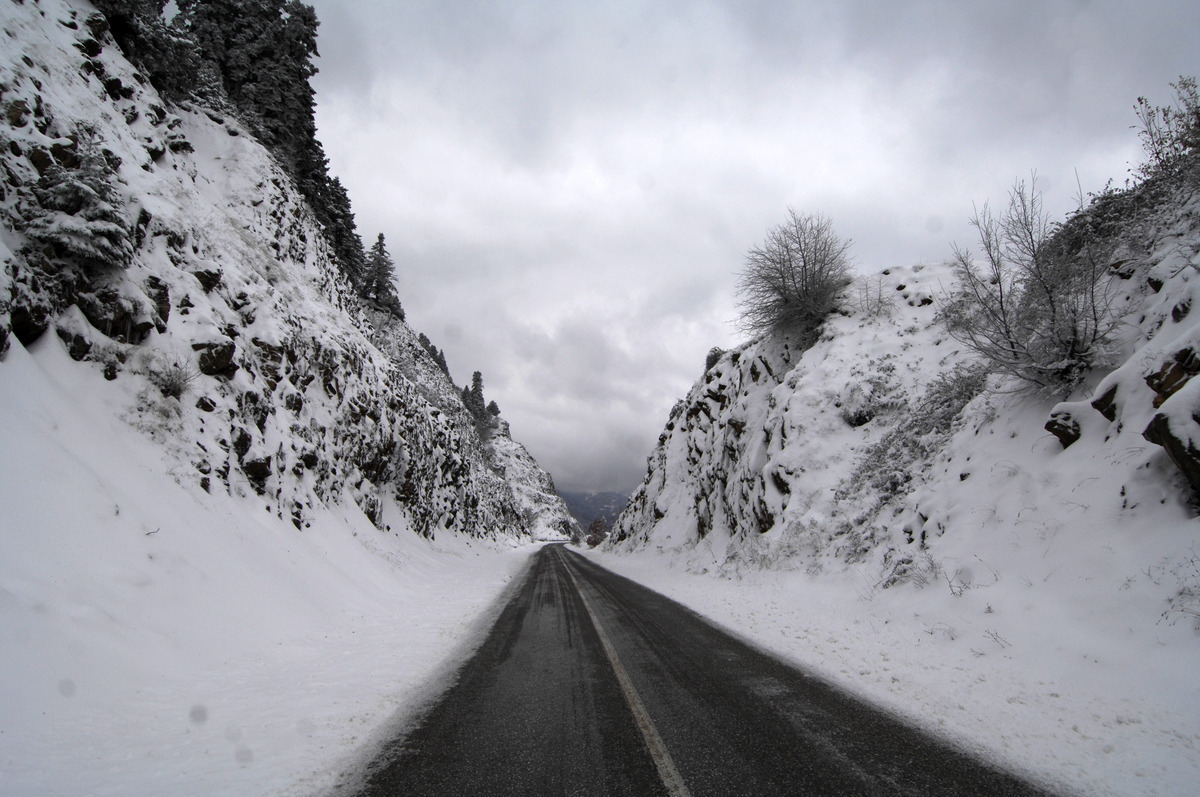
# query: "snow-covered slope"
877 509
541 506
242 517
159 640
231 290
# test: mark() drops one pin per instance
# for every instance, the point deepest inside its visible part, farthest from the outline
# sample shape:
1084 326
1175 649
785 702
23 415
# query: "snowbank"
161 640
1084 698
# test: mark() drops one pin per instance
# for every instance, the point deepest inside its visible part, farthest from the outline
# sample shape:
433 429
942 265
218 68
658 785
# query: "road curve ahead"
590 684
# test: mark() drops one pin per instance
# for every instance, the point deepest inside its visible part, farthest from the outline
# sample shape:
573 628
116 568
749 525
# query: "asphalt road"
590 684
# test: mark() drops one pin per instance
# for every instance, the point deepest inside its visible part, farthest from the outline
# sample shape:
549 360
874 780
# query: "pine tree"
476 403
378 283
437 354
335 213
77 213
164 52
263 51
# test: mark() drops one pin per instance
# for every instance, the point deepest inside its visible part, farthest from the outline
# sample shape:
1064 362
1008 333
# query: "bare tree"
792 281
1169 133
1037 308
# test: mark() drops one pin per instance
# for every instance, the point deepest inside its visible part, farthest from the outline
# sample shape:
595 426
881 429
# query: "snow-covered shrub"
1169 134
922 570
1039 308
173 375
78 214
872 302
874 393
1186 601
887 467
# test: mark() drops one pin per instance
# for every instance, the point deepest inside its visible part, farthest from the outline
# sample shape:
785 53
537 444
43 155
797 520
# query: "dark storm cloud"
568 188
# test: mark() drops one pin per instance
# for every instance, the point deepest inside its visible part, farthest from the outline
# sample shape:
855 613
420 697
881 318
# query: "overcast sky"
568 188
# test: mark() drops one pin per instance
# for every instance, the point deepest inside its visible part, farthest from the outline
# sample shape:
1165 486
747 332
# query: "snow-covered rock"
876 509
261 372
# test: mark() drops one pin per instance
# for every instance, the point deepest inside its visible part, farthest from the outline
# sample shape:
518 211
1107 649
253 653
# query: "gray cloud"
568 188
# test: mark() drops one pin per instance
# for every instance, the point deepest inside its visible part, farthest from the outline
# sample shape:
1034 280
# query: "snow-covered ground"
160 640
1079 697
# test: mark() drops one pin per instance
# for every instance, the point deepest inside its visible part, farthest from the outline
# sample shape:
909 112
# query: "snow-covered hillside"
242 516
877 509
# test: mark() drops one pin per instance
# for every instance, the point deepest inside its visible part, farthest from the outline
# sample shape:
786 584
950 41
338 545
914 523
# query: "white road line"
658 751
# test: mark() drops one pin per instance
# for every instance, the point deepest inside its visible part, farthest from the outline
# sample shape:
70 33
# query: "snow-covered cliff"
887 435
254 364
1015 573
243 518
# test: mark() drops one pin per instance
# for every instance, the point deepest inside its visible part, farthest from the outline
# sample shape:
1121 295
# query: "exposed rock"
65 152
115 317
1173 375
209 280
216 358
77 345
1106 403
1179 447
1181 310
41 159
257 472
1062 424
161 296
89 47
29 322
17 113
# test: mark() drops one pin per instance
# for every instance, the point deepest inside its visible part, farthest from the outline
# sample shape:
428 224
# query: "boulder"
77 345
1173 375
1062 424
257 472
1178 444
1106 403
216 358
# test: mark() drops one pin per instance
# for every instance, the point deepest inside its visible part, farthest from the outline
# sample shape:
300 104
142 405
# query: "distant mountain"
586 507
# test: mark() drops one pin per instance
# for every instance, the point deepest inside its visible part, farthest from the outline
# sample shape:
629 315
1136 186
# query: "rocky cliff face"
164 246
760 445
864 450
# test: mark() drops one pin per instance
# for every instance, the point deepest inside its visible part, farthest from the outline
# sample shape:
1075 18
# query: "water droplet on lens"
243 755
199 713
66 687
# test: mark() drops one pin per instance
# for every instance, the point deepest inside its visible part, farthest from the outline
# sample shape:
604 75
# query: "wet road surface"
590 684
